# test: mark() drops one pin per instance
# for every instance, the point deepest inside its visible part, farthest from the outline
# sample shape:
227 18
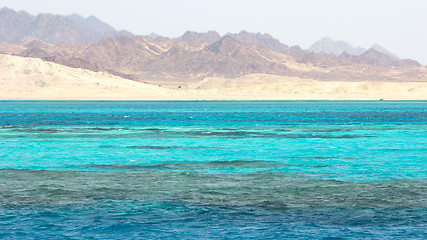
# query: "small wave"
255 134
154 129
325 136
38 130
103 129
155 147
331 130
167 147
318 157
234 164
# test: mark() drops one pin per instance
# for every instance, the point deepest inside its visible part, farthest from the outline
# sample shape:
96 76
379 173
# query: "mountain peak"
5 9
245 37
76 17
373 52
374 57
92 22
209 36
51 28
92 17
380 49
327 39
224 45
244 32
265 40
46 15
329 46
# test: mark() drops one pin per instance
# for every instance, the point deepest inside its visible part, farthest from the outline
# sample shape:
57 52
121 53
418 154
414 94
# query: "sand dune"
32 78
262 86
35 79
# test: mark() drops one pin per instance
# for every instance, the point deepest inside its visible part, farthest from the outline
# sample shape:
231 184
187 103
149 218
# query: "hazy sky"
398 25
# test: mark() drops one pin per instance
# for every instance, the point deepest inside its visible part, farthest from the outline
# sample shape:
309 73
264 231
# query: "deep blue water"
213 170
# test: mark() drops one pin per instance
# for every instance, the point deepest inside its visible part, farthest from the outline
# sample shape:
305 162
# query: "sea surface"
213 170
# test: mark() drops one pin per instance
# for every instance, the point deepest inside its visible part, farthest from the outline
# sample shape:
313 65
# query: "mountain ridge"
54 29
209 36
328 46
92 22
144 58
193 56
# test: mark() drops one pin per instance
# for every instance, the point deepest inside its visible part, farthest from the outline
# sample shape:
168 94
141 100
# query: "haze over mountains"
91 44
21 27
329 46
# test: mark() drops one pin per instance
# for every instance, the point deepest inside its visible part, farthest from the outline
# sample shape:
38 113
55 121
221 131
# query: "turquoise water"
213 170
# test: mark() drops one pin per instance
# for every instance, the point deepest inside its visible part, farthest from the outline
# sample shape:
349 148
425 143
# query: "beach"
35 79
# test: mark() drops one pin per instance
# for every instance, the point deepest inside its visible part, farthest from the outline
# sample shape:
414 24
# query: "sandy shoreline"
35 79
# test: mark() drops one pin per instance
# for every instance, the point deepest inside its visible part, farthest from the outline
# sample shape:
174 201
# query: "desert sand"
34 79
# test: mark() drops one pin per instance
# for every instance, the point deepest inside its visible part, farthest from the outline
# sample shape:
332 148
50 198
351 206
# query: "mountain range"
91 44
329 46
22 27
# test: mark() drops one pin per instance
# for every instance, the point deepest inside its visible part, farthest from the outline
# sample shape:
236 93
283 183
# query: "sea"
213 169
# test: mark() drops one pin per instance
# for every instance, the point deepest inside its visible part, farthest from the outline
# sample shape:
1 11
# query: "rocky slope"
145 59
18 27
329 46
210 36
89 43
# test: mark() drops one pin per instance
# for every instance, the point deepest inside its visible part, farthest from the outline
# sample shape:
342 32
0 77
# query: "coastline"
301 91
197 95
35 79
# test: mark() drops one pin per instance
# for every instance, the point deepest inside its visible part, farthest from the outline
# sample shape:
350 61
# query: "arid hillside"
88 43
166 61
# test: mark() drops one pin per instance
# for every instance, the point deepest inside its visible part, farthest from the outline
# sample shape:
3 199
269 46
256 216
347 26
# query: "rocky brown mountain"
329 46
83 43
374 57
101 27
15 27
146 59
210 36
13 23
225 58
245 37
92 22
56 29
265 40
380 49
